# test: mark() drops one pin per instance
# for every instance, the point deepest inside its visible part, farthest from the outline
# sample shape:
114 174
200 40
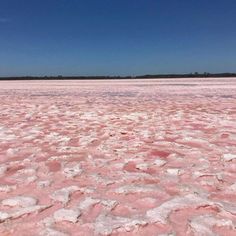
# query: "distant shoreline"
160 76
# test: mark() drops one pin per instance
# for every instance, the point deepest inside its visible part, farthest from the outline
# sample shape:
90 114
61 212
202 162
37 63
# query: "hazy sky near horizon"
116 37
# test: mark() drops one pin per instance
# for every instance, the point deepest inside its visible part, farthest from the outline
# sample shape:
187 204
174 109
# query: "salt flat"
122 157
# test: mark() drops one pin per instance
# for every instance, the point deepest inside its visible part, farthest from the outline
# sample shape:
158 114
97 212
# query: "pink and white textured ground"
143 157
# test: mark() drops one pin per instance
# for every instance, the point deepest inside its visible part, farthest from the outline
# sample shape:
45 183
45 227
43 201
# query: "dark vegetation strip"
159 76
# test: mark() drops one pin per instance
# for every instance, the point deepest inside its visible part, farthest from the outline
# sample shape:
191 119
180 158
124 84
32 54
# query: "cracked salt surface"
124 157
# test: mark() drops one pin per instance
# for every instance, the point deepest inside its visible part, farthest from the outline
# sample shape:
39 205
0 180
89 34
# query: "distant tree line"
60 77
190 75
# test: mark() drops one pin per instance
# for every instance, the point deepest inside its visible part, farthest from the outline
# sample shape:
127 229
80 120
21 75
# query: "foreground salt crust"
123 157
66 215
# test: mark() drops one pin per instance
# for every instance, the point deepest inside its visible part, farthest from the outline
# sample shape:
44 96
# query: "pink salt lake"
123 157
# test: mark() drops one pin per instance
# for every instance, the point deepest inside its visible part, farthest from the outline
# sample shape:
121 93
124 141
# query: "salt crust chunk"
63 194
105 224
229 157
72 171
66 215
21 201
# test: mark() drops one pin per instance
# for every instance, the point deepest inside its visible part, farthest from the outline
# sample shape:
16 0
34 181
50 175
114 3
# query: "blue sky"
116 37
